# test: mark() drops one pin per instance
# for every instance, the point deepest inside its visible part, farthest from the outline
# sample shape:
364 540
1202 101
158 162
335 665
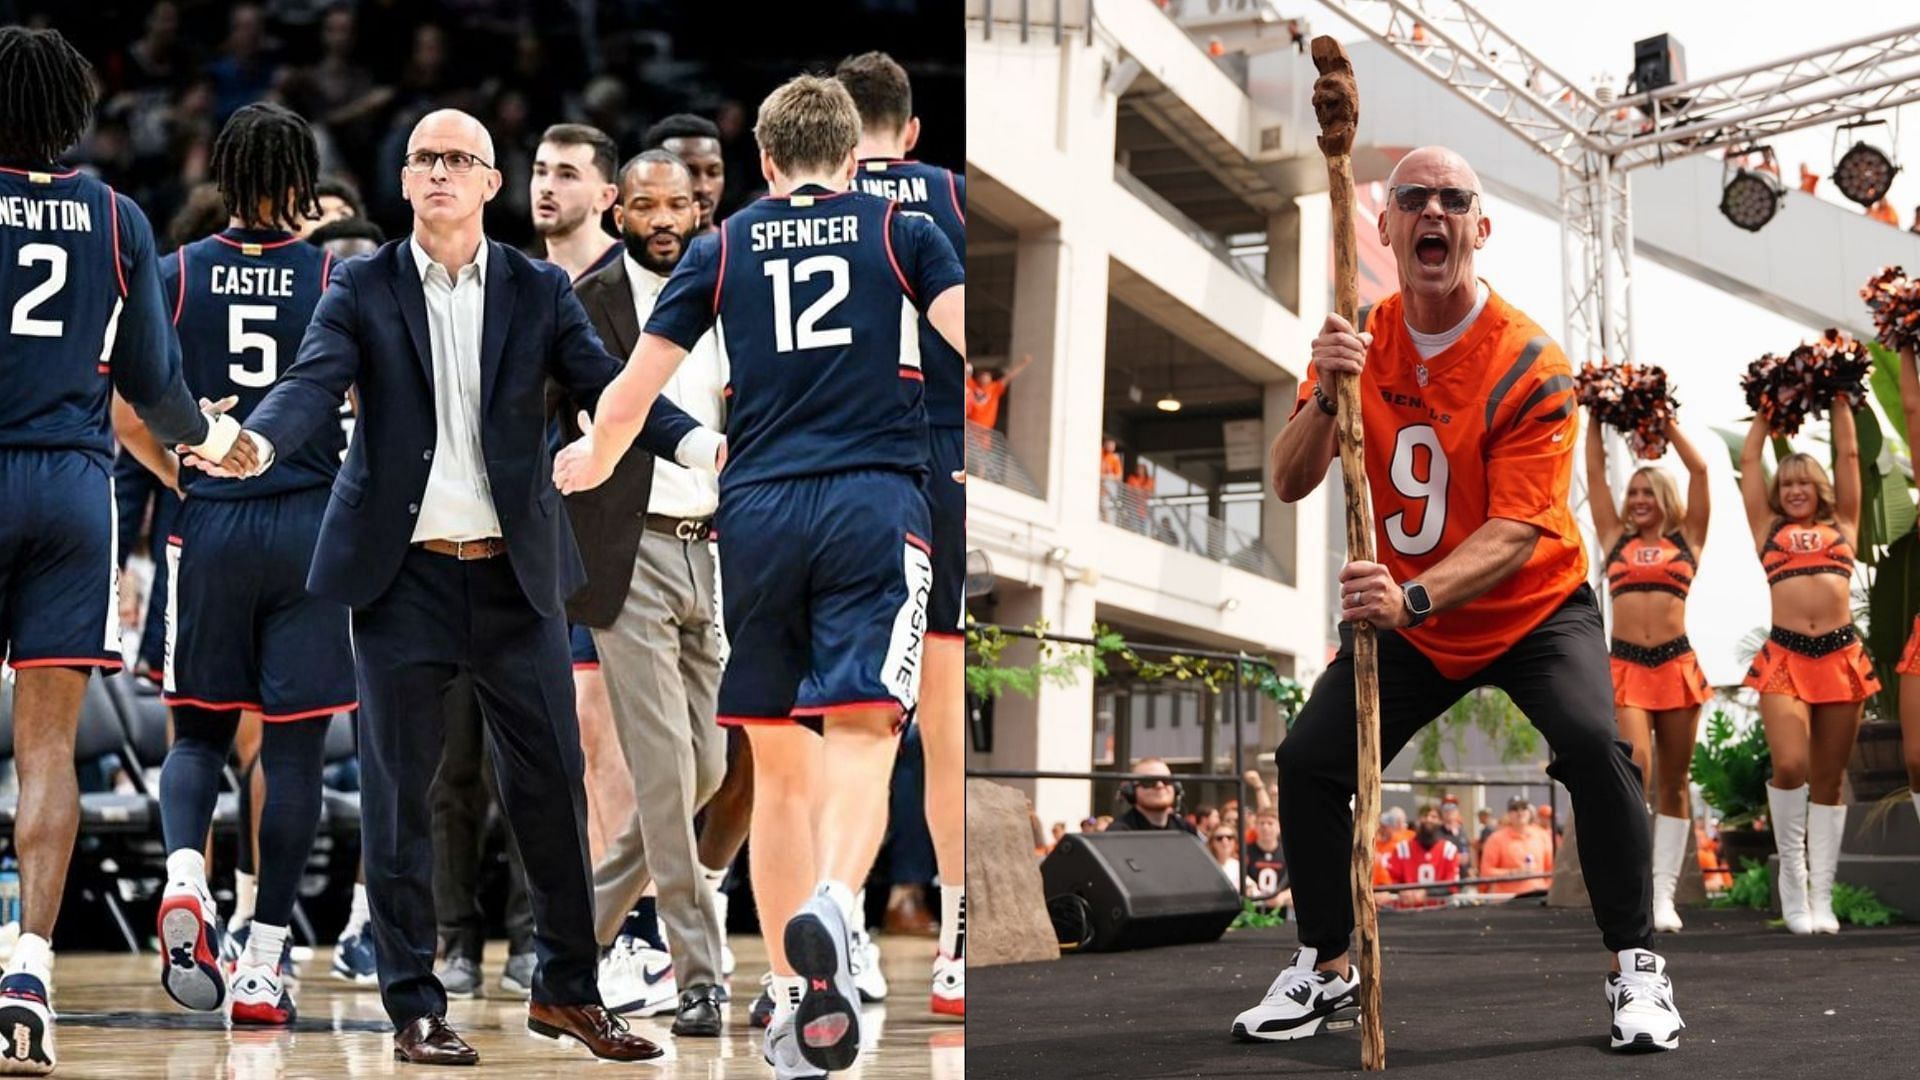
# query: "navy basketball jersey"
63 283
242 300
941 195
816 298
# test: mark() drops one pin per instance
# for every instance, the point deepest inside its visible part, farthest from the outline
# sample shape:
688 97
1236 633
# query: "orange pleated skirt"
1910 659
1677 684
1842 676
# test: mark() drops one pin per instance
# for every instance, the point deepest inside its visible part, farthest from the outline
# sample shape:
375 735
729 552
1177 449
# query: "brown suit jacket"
607 521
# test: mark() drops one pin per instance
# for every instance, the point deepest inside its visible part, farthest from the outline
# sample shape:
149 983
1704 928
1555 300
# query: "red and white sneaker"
949 986
189 962
260 995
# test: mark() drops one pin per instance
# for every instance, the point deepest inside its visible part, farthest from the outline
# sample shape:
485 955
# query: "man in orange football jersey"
1468 408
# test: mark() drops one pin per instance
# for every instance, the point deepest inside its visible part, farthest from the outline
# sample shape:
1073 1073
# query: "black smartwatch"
1326 404
1419 606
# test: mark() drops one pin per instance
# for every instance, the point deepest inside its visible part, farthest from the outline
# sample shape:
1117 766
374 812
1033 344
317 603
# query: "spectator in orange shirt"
1141 480
1809 179
985 388
1110 466
1517 847
1393 829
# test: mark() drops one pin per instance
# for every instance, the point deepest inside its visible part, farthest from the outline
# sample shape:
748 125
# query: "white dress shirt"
699 386
458 503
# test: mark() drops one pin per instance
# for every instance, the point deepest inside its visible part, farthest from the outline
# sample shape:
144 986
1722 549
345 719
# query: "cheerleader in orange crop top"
1909 669
1812 673
1654 540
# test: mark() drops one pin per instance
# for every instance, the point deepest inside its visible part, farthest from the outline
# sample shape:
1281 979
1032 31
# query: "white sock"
245 885
849 906
713 877
358 915
32 955
953 918
189 866
785 992
264 944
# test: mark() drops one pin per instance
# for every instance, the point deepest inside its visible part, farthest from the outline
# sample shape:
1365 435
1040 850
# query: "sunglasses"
1413 198
1156 783
1224 836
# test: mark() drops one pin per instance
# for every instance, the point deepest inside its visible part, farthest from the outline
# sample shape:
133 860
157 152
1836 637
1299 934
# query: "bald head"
1435 166
451 129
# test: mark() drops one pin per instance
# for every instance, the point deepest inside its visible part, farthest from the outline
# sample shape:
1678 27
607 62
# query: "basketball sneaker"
1302 1002
867 976
353 958
26 1026
949 986
260 995
189 948
827 1019
638 979
1642 999
761 1013
781 1048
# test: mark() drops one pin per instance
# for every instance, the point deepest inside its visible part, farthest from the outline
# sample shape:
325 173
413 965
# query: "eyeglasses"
458 162
1413 198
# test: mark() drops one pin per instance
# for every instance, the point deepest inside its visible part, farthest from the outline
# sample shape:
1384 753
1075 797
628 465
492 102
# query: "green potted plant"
1731 768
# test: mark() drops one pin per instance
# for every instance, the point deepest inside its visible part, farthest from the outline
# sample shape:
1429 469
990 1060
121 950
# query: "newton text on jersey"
25 212
805 232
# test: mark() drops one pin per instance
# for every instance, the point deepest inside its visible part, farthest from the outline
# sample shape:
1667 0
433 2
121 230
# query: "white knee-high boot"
1788 811
1669 851
1825 825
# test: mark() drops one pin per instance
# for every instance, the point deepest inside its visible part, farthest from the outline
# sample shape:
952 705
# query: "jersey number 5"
1433 490
240 339
806 334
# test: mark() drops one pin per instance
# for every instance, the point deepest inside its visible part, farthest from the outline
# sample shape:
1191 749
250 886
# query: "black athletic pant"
1559 677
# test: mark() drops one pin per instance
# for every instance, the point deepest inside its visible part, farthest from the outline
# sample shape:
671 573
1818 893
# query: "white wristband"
222 430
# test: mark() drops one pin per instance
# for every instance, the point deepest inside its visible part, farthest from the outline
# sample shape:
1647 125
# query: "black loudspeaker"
1138 890
1658 62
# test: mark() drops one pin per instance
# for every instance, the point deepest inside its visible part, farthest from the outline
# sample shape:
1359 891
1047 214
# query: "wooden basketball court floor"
115 1023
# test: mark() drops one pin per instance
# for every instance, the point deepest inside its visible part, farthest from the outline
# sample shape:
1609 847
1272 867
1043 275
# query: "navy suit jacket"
370 331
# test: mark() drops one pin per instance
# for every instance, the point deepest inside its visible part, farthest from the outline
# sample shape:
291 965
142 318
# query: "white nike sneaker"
820 948
260 995
949 986
867 976
781 1049
637 979
1642 999
1302 1002
190 969
26 1026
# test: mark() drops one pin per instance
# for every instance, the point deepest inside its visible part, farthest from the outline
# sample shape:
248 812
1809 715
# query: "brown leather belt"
686 530
466 550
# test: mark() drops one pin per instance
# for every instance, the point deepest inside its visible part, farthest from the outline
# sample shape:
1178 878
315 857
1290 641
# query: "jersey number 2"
806 334
1433 516
240 339
24 324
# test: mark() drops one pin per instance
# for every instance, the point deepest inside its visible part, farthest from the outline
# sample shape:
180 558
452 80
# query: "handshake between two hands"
227 451
582 465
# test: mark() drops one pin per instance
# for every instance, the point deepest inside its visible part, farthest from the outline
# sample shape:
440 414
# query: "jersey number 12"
806 334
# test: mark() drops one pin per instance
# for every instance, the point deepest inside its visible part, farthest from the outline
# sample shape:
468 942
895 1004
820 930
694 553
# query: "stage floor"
1483 993
117 1024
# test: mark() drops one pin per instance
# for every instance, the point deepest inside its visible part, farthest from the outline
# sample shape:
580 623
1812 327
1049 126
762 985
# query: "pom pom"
1894 300
1789 389
1632 398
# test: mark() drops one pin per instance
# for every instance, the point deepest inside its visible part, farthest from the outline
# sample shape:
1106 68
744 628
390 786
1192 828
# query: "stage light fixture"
1751 197
1168 403
1864 174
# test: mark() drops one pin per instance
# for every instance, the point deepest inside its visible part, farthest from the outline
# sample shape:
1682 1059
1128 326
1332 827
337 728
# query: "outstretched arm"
1025 361
1846 468
1699 503
1606 519
1753 480
141 443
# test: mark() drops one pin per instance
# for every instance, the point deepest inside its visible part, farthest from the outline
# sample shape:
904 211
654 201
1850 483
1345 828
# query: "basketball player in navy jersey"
822 524
888 131
242 631
80 317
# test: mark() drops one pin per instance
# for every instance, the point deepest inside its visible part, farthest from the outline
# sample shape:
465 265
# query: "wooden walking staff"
1336 102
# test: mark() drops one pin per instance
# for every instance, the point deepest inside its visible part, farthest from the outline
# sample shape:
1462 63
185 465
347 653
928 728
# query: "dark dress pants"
442 618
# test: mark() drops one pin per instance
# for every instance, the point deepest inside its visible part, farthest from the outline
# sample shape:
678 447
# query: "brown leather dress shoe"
429 1041
592 1027
907 914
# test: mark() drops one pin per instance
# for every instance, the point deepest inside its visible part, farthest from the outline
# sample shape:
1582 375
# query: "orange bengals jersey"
1482 430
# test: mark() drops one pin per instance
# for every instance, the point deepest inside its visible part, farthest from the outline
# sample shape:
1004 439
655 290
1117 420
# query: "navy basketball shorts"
242 631
580 642
947 502
153 639
827 582
59 572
